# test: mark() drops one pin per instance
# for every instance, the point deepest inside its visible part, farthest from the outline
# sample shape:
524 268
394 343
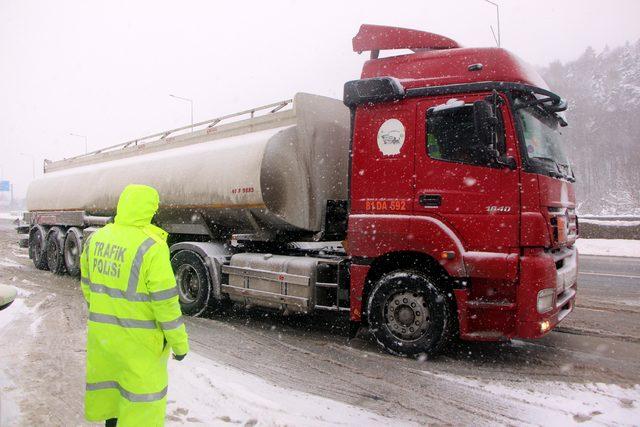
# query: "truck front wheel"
192 279
409 315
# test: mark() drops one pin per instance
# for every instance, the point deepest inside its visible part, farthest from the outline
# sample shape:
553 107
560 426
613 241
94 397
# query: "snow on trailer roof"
259 118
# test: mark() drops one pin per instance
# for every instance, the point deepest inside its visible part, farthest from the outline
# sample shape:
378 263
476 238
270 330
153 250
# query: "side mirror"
484 121
7 296
486 124
507 161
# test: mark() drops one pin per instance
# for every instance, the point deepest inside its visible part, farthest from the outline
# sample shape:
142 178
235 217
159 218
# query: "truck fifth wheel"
433 201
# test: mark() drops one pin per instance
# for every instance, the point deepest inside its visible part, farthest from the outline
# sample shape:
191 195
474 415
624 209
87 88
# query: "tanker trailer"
264 183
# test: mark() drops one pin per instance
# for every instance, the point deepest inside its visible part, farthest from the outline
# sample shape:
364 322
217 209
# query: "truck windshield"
543 141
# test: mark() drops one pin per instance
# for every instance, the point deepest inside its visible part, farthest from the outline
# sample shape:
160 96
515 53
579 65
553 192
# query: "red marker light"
447 255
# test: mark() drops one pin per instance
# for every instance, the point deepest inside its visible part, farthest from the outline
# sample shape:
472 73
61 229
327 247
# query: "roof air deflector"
375 38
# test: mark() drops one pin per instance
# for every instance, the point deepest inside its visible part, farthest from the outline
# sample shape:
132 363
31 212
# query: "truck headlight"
544 326
545 300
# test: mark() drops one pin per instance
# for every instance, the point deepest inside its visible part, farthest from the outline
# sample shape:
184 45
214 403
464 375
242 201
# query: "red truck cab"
459 185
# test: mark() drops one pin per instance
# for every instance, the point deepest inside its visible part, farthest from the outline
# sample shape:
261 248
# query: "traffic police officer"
134 315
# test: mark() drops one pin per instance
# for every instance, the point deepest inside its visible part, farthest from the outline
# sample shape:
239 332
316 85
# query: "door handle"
430 200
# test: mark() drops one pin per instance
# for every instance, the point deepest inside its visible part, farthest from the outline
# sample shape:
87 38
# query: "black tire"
72 251
54 249
192 279
409 315
37 245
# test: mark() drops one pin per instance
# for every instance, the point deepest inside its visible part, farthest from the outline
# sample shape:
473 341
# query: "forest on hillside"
603 136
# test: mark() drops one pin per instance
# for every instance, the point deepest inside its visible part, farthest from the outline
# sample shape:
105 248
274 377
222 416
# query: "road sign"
5 186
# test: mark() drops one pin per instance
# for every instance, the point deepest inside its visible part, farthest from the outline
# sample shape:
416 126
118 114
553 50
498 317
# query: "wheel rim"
188 283
407 315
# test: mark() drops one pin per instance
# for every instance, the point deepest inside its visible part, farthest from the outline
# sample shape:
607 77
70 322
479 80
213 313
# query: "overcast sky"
106 69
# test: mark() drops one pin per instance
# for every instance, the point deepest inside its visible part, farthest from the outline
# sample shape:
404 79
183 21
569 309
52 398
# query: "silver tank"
264 174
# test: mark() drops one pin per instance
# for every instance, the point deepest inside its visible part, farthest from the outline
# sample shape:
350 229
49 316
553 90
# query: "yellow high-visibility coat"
134 314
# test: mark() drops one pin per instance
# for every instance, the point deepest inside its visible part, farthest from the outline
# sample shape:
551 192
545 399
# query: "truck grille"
564 223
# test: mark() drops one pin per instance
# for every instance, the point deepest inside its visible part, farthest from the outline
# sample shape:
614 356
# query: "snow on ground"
615 223
203 392
9 410
18 255
609 247
553 403
8 215
6 262
17 308
627 216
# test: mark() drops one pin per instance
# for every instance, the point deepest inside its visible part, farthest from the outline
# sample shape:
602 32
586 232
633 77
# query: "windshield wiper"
553 103
554 174
567 172
551 106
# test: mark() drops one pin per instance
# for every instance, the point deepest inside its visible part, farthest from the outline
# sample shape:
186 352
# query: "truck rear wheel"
408 315
37 246
192 279
72 251
54 248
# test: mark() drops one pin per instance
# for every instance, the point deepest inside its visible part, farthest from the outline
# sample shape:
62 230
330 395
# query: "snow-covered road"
248 368
609 247
210 393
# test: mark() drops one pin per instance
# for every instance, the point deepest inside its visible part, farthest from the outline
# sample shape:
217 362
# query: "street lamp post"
498 41
86 147
188 100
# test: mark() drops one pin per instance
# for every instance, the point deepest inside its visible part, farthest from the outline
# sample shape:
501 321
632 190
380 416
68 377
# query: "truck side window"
451 136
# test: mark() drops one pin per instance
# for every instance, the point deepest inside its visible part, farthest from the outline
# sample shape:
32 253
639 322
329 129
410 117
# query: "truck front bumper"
526 304
541 271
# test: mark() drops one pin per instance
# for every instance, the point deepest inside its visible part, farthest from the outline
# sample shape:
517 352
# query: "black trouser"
111 422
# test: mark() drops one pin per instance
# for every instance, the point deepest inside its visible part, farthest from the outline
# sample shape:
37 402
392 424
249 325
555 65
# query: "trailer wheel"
54 250
37 251
72 251
408 315
192 279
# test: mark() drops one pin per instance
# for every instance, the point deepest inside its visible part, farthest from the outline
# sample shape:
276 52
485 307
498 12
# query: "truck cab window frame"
540 163
451 136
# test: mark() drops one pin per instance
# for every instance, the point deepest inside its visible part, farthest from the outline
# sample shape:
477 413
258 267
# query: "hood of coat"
137 205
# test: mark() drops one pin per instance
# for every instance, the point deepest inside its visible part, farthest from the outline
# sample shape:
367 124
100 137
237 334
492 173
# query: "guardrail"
609 227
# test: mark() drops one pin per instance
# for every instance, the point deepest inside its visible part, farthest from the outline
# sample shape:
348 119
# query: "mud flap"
354 328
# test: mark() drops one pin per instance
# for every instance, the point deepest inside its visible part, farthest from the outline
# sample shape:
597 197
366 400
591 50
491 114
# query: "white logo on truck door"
391 137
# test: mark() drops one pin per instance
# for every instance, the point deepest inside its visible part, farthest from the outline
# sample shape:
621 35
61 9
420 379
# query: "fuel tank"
271 173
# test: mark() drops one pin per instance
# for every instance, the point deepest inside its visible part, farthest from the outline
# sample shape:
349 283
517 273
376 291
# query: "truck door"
456 182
